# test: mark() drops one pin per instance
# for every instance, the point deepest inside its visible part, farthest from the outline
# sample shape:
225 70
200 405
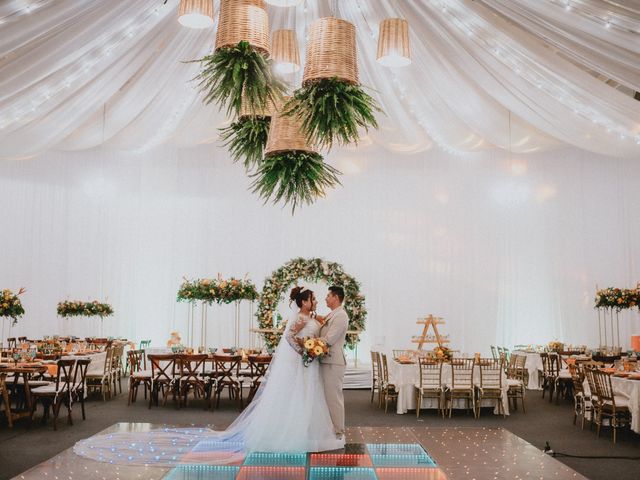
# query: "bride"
288 414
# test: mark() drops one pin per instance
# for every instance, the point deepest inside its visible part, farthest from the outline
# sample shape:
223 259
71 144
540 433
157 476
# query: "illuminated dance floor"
371 453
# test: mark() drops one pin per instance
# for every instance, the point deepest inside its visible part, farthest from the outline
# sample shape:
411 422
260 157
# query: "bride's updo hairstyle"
299 295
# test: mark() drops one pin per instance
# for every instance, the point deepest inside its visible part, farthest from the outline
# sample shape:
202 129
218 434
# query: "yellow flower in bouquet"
313 348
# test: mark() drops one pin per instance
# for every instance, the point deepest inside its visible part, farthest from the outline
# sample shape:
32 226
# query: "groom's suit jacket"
333 332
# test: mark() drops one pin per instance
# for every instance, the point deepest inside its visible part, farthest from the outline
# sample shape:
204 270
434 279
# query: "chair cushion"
514 382
141 374
51 388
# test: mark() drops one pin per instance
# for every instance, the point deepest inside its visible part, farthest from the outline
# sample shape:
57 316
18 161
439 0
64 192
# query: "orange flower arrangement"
313 348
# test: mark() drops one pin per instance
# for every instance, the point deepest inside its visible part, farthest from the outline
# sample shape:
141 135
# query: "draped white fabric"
75 74
507 249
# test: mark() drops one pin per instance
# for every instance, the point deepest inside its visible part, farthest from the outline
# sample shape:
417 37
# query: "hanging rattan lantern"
331 51
196 13
245 110
393 43
284 51
243 20
285 134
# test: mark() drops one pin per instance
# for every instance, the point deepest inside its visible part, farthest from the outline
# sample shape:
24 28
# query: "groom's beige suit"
333 366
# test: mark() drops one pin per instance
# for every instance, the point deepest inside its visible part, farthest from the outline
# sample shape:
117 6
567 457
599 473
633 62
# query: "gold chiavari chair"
375 374
494 352
5 399
490 387
516 381
102 381
389 390
581 399
607 404
461 386
430 384
117 368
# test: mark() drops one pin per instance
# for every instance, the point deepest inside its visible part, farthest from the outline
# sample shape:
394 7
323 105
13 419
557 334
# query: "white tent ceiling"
512 74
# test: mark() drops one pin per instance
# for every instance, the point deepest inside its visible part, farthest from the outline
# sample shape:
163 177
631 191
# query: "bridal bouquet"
313 348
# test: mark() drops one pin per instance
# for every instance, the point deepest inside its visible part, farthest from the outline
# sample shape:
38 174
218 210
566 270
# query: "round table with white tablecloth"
406 376
631 390
533 366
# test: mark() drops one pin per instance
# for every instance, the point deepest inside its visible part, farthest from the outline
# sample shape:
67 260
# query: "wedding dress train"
288 414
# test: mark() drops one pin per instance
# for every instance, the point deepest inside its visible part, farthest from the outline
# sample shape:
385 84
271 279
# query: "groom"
333 365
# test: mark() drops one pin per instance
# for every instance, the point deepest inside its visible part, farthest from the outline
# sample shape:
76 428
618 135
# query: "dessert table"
406 375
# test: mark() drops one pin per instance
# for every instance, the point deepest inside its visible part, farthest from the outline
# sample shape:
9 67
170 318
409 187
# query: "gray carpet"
24 446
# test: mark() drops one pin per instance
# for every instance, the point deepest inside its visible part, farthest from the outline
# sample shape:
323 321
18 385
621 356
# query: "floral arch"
310 270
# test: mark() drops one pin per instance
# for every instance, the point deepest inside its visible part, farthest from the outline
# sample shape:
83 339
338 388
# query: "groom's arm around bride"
333 365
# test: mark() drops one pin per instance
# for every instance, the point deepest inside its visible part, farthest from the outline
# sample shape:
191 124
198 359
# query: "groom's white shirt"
334 331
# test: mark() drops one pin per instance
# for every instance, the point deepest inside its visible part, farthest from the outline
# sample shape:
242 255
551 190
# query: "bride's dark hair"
299 295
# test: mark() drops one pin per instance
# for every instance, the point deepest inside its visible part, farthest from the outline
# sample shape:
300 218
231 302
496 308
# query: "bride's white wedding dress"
288 414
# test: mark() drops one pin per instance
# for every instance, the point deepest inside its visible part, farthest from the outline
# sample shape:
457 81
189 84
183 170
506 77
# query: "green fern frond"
230 71
246 139
332 110
294 178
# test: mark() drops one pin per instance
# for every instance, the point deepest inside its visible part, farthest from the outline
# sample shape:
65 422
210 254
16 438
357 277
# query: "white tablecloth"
96 367
405 377
631 390
533 366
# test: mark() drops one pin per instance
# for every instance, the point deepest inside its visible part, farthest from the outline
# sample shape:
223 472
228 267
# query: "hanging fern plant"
246 139
295 177
331 110
239 73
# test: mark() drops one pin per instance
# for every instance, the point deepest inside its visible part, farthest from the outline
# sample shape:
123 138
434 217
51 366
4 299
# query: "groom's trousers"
333 379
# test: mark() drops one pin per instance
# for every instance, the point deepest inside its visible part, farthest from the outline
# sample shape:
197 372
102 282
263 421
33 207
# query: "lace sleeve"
291 335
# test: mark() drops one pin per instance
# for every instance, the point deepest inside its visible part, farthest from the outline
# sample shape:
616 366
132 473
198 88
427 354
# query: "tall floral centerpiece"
78 308
216 290
10 307
610 302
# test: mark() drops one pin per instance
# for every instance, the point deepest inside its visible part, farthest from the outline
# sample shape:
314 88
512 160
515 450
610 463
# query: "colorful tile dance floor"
416 453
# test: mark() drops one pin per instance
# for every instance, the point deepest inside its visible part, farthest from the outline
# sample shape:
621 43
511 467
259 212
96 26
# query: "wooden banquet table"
406 376
26 372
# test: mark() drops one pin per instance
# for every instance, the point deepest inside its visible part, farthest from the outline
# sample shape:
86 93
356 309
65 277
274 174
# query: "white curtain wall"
508 249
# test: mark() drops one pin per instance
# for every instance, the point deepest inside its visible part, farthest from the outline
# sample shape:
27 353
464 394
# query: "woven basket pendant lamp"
331 51
285 134
393 43
292 170
196 13
243 20
331 104
284 51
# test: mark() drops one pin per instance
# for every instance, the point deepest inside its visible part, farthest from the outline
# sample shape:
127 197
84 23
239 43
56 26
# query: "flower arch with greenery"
310 270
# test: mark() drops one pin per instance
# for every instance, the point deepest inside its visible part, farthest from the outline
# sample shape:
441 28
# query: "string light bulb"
196 13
